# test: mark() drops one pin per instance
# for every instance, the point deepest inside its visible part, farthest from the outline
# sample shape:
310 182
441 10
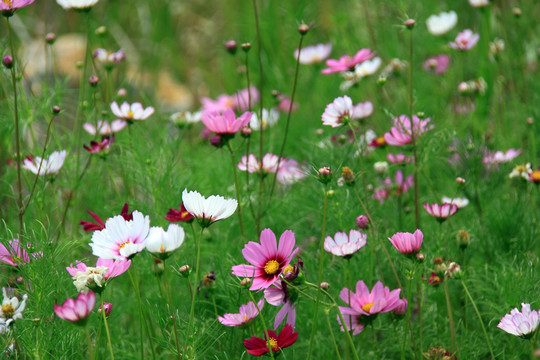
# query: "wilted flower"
208 211
12 308
226 123
77 4
257 346
465 40
246 313
48 166
437 65
407 243
267 259
131 112
460 202
346 62
522 323
441 212
341 111
313 54
76 310
87 278
103 128
162 243
345 245
442 23
403 131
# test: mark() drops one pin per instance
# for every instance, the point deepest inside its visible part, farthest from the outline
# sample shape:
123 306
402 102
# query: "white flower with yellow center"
12 308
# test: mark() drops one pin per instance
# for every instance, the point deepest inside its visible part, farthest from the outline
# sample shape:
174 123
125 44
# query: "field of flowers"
307 179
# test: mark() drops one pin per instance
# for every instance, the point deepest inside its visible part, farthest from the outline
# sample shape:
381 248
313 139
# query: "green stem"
169 305
336 348
142 318
413 135
263 322
89 342
109 343
197 275
454 348
237 187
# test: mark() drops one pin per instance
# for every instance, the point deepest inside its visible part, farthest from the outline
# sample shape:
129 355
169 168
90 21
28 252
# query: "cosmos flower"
289 172
313 54
498 157
109 58
441 212
465 40
121 239
95 278
8 7
103 128
347 63
12 308
252 165
521 323
131 112
77 4
362 70
441 24
269 118
242 97
460 202
100 147
48 166
437 65
186 118
398 186
278 295
208 211
407 243
267 259
99 224
402 131
162 243
76 310
345 245
246 313
342 110
398 158
15 254
257 346
523 171
222 103
226 123
175 215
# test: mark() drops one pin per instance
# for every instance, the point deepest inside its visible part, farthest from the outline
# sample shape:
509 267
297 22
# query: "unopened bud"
324 174
454 270
325 285
303 29
122 93
362 222
7 61
516 11
246 131
93 80
421 114
231 47
246 282
184 270
381 80
401 309
348 175
409 23
330 193
420 257
246 47
56 109
462 239
380 167
158 266
463 87
107 307
530 120
50 38
217 141
461 180
275 93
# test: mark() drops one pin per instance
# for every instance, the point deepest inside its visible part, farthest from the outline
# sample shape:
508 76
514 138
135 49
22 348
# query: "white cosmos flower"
362 70
161 243
460 202
208 211
479 3
342 110
186 117
48 166
345 245
269 118
77 4
313 54
12 308
103 127
442 23
121 239
134 111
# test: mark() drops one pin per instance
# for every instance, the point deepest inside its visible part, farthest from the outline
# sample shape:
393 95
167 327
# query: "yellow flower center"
9 2
245 318
271 267
130 114
8 311
184 213
536 176
122 245
367 307
272 343
288 269
161 248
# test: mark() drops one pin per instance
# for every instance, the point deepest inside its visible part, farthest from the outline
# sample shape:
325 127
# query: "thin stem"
237 187
420 299
197 275
319 277
454 348
89 342
135 284
336 348
109 344
479 318
413 135
361 158
248 140
169 305
263 322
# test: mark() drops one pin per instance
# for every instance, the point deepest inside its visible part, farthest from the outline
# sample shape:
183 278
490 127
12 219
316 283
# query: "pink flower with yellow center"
346 62
246 313
267 259
226 123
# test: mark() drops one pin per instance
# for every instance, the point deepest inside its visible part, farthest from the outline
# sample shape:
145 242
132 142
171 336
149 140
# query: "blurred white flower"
460 202
77 4
48 166
269 118
442 23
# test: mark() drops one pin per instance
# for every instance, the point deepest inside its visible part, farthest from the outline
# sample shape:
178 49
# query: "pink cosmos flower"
402 131
341 110
407 243
267 259
242 97
76 310
498 157
398 158
222 103
252 165
345 245
347 63
15 254
103 128
441 212
115 267
285 103
398 187
257 346
465 40
278 295
97 277
226 123
313 54
246 313
522 323
109 58
364 304
99 147
289 172
131 112
437 65
8 7
107 306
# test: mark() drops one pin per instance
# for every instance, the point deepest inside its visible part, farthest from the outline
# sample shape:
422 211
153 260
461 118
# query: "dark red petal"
173 215
88 226
287 337
127 216
98 219
256 346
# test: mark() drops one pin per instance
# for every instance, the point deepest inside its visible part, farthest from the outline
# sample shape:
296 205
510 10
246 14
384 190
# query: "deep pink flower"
15 254
175 215
437 65
246 313
441 212
407 243
99 147
278 295
402 131
76 311
100 224
226 123
398 158
268 260
465 40
257 346
347 63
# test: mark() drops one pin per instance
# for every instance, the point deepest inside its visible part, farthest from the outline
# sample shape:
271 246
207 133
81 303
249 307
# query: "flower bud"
231 47
401 309
56 109
462 239
108 309
246 131
325 285
7 61
380 167
93 80
325 174
454 270
409 23
330 193
122 93
184 270
246 47
461 180
516 11
348 175
158 266
303 29
217 141
382 79
362 222
246 282
50 38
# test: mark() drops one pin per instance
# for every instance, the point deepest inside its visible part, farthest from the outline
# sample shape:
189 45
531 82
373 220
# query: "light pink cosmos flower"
131 112
108 57
313 54
341 110
441 212
522 323
285 103
278 295
399 186
97 277
104 128
437 65
289 172
402 131
226 123
246 313
222 103
15 254
465 40
76 310
345 245
252 165
48 166
242 97
364 303
114 267
347 63
500 157
7 7
407 243
398 158
267 259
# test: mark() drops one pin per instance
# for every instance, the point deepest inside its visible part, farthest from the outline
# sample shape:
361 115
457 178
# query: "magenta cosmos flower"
246 313
522 323
267 259
76 310
226 123
257 346
465 40
278 295
345 245
131 112
14 254
342 110
437 65
407 243
100 224
97 277
102 146
364 305
441 212
8 7
346 62
403 130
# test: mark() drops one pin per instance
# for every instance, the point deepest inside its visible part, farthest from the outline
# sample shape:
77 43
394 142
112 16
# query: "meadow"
179 181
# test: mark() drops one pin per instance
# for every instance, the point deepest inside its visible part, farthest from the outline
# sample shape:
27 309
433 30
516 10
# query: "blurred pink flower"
99 147
465 40
401 309
441 212
285 103
76 310
242 97
347 63
15 254
289 172
246 313
402 131
108 308
342 110
252 165
267 259
407 243
345 245
103 127
521 323
437 65
226 123
222 103
398 158
399 186
313 54
494 158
